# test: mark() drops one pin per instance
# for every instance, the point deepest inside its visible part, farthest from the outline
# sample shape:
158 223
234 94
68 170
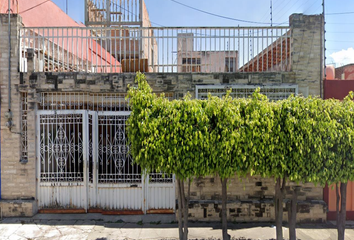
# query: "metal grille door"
84 163
62 159
116 182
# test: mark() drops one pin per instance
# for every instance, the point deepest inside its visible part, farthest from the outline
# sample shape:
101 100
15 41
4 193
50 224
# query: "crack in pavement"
14 231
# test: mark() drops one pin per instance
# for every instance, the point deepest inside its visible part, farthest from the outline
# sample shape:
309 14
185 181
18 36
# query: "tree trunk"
186 207
180 210
341 215
225 236
292 213
279 195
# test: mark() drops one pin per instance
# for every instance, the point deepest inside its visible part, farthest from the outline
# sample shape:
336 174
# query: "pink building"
65 55
191 60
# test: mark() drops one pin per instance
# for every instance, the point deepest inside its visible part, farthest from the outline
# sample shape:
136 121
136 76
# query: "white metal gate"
84 163
62 159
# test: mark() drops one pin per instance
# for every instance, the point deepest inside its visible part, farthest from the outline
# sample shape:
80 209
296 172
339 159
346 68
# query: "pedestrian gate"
84 163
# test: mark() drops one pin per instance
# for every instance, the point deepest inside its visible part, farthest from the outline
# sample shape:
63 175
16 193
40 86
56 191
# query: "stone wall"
306 52
178 83
251 199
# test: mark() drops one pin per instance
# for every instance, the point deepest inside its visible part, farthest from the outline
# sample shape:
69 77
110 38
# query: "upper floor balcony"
121 49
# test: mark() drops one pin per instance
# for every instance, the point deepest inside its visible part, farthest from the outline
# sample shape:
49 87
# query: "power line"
334 49
136 14
285 12
281 10
339 13
314 3
340 32
331 40
339 23
34 7
217 15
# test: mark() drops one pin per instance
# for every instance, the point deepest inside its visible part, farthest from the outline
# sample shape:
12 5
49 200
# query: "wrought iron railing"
167 49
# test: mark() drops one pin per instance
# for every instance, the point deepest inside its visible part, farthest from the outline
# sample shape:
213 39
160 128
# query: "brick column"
18 188
306 52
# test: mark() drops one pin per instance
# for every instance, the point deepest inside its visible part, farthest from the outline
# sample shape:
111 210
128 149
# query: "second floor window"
191 64
230 64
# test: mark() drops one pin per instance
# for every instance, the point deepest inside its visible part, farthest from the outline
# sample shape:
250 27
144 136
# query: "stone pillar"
18 182
307 52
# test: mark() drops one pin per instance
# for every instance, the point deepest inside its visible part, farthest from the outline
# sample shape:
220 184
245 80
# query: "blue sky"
339 25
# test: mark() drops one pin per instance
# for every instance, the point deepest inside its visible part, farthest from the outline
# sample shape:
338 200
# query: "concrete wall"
337 89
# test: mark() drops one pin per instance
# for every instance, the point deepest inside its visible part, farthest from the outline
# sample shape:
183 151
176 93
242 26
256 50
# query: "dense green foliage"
303 139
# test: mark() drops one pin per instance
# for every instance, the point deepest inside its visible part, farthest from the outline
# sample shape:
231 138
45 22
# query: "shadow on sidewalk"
147 221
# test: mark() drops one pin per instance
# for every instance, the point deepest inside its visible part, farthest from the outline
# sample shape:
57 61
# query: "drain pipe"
9 82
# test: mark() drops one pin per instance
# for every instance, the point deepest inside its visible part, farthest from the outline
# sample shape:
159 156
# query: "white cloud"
343 57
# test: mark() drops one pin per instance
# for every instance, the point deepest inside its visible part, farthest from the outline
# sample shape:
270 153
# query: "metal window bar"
61 139
115 164
99 102
273 92
96 49
24 139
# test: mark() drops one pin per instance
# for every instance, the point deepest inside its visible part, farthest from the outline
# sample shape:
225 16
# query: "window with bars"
191 64
109 102
24 139
230 64
273 92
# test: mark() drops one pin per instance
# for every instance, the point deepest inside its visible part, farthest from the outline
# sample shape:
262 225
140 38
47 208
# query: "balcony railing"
167 49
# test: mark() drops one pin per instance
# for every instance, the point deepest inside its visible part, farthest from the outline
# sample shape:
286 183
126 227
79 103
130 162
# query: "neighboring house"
135 48
63 142
50 52
339 82
191 60
345 72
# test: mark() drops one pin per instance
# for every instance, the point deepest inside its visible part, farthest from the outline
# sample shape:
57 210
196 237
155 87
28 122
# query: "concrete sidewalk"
101 227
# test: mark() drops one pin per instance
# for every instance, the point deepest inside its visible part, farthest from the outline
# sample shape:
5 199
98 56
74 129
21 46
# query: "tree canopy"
303 139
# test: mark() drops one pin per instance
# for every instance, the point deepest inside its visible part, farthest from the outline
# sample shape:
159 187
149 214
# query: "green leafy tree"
296 139
339 162
171 137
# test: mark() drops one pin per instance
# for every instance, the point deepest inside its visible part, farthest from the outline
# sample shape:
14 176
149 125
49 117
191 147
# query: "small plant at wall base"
296 139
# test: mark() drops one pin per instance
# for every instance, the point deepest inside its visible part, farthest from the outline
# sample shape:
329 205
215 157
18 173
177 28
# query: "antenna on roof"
66 6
